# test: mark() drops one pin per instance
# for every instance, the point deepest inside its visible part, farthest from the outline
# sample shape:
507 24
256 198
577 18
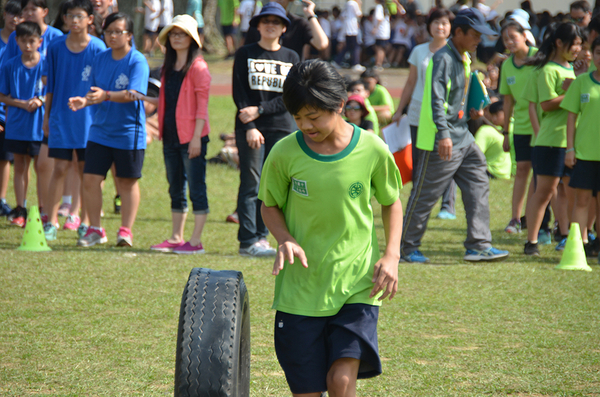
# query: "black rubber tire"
213 339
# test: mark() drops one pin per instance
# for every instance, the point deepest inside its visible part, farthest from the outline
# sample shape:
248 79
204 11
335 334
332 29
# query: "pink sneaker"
188 249
72 223
166 246
64 209
124 237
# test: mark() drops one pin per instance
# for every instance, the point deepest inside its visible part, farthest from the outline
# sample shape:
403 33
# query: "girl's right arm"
288 247
509 105
407 92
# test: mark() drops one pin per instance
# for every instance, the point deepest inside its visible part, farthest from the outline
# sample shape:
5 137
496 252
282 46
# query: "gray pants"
449 195
467 168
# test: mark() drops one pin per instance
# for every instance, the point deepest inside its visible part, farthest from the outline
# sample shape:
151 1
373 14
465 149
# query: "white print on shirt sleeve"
267 75
122 82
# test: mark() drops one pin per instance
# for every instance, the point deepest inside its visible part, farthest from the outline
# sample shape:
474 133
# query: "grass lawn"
102 321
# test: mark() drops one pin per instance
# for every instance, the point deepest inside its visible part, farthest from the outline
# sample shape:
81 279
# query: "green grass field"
103 321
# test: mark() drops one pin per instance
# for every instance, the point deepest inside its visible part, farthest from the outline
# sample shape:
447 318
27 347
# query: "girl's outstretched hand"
286 252
96 95
76 103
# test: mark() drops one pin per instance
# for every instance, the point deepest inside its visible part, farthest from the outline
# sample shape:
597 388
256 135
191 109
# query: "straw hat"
183 22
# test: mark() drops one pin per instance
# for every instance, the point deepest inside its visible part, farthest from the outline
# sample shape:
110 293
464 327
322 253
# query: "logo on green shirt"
585 98
299 187
355 189
511 80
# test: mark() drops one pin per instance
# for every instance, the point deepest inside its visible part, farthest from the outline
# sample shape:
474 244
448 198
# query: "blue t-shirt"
69 75
120 125
12 49
21 82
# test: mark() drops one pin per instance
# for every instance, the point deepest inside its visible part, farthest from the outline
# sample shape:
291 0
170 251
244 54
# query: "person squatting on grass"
553 62
316 190
118 131
448 148
259 72
183 127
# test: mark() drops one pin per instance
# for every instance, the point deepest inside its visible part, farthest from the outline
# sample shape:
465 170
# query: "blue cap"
473 18
271 8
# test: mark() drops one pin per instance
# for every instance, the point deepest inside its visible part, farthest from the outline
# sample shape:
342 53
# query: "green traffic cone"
574 254
34 238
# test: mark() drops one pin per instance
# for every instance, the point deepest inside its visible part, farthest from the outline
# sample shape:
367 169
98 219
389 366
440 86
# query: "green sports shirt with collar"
326 202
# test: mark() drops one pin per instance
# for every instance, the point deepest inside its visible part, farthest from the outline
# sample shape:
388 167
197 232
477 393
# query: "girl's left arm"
385 275
570 159
201 81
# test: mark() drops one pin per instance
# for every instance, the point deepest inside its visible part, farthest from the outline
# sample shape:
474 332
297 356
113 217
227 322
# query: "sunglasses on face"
353 107
274 21
177 35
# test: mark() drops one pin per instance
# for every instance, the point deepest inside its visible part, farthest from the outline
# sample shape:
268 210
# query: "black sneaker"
13 213
592 248
117 204
531 249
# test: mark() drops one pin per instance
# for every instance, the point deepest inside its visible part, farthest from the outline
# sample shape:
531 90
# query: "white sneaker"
258 250
359 68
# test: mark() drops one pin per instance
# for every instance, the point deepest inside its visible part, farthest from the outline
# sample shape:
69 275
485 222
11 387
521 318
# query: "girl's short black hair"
316 84
85 5
595 43
13 7
439 13
115 16
37 3
25 29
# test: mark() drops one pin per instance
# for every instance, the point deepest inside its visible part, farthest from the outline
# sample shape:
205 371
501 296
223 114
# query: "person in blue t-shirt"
12 17
34 11
69 72
118 131
22 90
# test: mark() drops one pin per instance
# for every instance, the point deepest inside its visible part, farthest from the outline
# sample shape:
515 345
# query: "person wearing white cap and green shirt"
450 152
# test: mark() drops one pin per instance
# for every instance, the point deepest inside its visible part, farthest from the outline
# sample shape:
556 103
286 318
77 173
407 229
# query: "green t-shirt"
553 126
583 98
513 82
326 201
592 68
490 141
372 116
381 96
227 10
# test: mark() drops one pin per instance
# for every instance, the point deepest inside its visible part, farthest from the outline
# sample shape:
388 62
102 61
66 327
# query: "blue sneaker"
414 257
544 237
561 245
5 209
489 254
446 215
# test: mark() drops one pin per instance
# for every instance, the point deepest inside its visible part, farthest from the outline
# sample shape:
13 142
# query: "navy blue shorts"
381 43
99 159
228 30
28 148
549 161
150 32
66 154
4 154
523 147
586 175
306 347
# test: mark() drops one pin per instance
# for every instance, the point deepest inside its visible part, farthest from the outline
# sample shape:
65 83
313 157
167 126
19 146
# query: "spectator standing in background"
352 11
228 10
381 30
247 9
166 14
194 9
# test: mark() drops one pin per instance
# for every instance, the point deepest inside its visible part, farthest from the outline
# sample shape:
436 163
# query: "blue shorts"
549 161
523 147
586 175
26 148
381 43
66 154
4 154
99 159
228 30
306 347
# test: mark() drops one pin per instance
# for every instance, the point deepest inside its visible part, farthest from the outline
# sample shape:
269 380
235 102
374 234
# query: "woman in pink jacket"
183 127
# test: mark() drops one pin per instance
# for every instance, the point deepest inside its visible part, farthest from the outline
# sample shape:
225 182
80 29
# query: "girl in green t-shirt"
582 101
556 73
515 73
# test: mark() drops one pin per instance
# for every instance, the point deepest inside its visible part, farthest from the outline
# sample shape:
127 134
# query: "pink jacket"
192 102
